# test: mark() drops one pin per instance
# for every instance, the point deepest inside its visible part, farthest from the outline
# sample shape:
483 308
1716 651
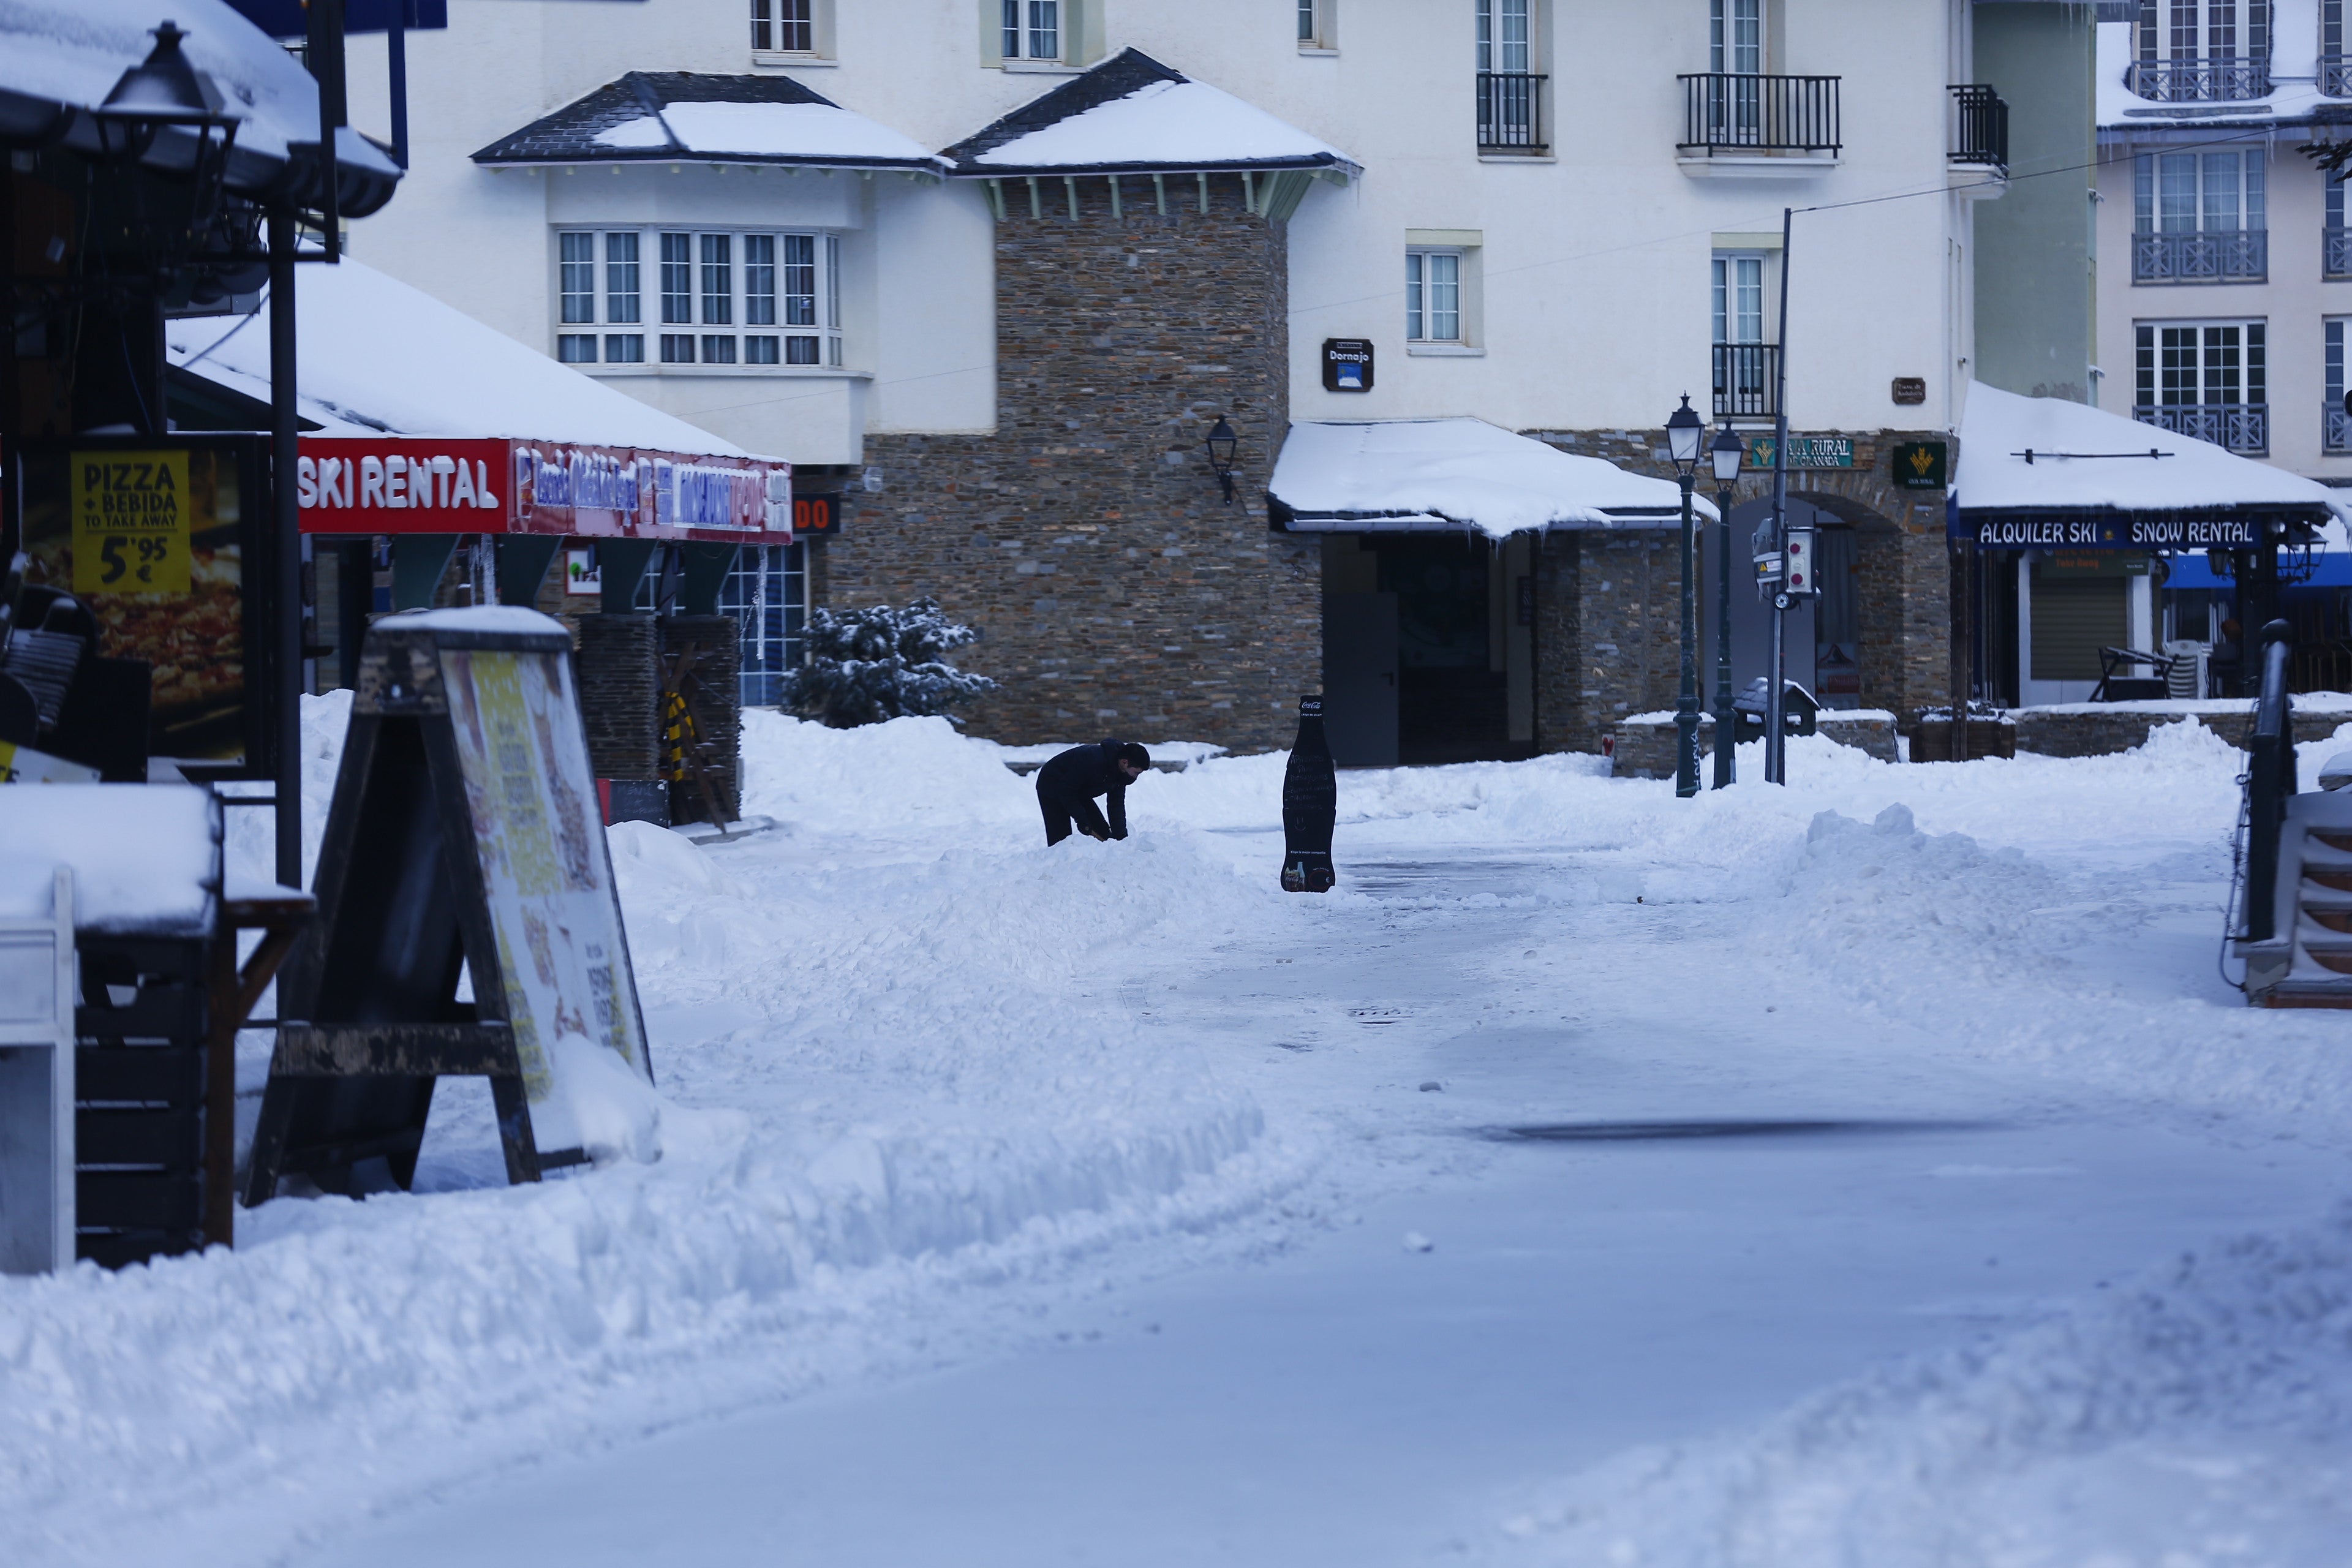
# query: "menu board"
154 535
548 880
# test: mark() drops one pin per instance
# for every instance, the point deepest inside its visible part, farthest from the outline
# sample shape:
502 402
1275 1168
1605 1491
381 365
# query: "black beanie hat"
1129 752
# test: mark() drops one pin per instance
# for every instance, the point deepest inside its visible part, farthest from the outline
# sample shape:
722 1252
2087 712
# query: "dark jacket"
1083 772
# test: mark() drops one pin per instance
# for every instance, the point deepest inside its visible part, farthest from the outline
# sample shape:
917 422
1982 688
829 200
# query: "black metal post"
1726 721
1774 699
286 543
395 44
2270 780
1686 704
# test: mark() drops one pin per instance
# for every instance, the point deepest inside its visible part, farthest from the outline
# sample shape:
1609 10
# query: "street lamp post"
1683 429
1726 454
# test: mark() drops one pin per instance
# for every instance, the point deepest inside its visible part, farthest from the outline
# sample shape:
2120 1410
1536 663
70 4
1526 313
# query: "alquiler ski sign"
2046 531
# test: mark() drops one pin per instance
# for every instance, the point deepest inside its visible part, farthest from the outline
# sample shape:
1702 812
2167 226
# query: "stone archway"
1905 602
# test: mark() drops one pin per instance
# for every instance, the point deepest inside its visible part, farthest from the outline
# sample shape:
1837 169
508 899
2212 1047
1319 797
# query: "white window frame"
2159 179
2252 371
1505 36
791 32
1318 27
1723 286
1424 291
1734 37
1034 30
723 333
2234 30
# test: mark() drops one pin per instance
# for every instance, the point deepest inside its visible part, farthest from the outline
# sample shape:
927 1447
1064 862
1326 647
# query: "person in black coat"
1067 786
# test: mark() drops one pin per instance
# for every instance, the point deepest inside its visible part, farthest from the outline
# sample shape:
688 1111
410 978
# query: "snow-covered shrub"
868 665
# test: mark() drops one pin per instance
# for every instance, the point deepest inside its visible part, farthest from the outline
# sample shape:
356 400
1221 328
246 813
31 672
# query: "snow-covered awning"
1432 475
378 357
60 58
668 116
2042 471
1133 115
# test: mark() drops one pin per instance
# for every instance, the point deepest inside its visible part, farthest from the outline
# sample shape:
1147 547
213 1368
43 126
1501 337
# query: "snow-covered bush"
868 665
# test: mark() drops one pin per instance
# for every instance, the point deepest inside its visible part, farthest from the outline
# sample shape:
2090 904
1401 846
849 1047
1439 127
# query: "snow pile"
2202 1413
882 1079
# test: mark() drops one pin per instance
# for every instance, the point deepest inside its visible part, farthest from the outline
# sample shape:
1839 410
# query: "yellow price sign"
131 523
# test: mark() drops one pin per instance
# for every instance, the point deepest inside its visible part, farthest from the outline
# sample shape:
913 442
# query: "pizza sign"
130 522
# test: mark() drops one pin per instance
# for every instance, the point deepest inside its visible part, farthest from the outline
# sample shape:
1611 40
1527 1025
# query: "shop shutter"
2073 618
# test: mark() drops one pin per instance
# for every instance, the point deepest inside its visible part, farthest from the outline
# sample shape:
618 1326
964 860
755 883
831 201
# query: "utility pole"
1775 699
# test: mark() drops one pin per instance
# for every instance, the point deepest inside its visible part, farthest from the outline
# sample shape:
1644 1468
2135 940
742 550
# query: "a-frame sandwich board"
464 843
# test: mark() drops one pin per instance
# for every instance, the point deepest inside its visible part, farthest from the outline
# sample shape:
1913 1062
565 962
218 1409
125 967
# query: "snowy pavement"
1792 1190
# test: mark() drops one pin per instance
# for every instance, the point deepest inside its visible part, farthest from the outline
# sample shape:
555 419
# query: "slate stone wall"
1085 538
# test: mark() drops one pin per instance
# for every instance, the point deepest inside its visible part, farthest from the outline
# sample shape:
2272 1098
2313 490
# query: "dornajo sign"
413 484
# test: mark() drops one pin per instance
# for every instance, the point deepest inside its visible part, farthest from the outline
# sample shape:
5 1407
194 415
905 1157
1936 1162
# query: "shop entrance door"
1360 679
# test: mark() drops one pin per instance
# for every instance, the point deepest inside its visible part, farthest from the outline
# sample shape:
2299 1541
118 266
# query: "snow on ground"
901 1090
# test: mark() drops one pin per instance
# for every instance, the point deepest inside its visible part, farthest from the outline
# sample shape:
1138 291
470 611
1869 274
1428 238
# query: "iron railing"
1979 126
2228 79
1747 381
2211 256
2243 428
2336 252
1733 112
2335 428
1510 112
2335 76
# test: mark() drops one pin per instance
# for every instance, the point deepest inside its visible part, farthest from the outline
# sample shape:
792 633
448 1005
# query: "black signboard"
2047 532
1921 465
816 517
163 543
1347 365
464 837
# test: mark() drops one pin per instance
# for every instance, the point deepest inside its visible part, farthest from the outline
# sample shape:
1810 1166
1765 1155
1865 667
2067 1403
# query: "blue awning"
2330 569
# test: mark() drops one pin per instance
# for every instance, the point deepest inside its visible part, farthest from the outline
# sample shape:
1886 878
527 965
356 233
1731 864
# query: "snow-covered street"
1777 1177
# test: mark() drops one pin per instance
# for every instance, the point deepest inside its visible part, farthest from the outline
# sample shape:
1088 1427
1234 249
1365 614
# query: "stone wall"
1085 538
2075 735
1614 650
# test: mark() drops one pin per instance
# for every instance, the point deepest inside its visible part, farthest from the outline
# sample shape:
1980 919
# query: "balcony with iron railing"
1747 381
1510 113
1772 120
1979 127
2335 253
2243 428
2335 428
2229 78
2206 255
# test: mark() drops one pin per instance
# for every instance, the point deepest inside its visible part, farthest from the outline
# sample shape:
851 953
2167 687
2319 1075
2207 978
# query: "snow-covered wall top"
2084 457
380 357
1463 471
145 858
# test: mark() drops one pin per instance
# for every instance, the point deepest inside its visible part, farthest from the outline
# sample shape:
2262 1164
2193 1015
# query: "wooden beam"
1036 205
1203 175
1115 212
1070 190
1160 192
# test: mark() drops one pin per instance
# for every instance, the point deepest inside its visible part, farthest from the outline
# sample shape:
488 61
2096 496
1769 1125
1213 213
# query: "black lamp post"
1726 452
1222 444
1683 432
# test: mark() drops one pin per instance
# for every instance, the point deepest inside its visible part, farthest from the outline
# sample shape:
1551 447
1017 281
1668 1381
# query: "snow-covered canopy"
1132 114
2023 455
379 357
60 58
1430 474
651 116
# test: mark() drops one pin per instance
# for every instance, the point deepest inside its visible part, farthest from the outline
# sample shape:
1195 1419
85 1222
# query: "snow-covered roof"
379 357
60 58
1412 474
657 116
2085 460
1131 113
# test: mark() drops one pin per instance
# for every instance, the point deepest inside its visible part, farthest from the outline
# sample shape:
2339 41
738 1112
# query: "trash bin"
1798 709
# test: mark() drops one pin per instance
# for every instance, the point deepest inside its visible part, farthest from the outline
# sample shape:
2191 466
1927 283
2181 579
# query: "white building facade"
778 219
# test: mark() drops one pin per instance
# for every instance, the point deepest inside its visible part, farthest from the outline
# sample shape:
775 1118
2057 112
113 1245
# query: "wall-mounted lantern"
1222 445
